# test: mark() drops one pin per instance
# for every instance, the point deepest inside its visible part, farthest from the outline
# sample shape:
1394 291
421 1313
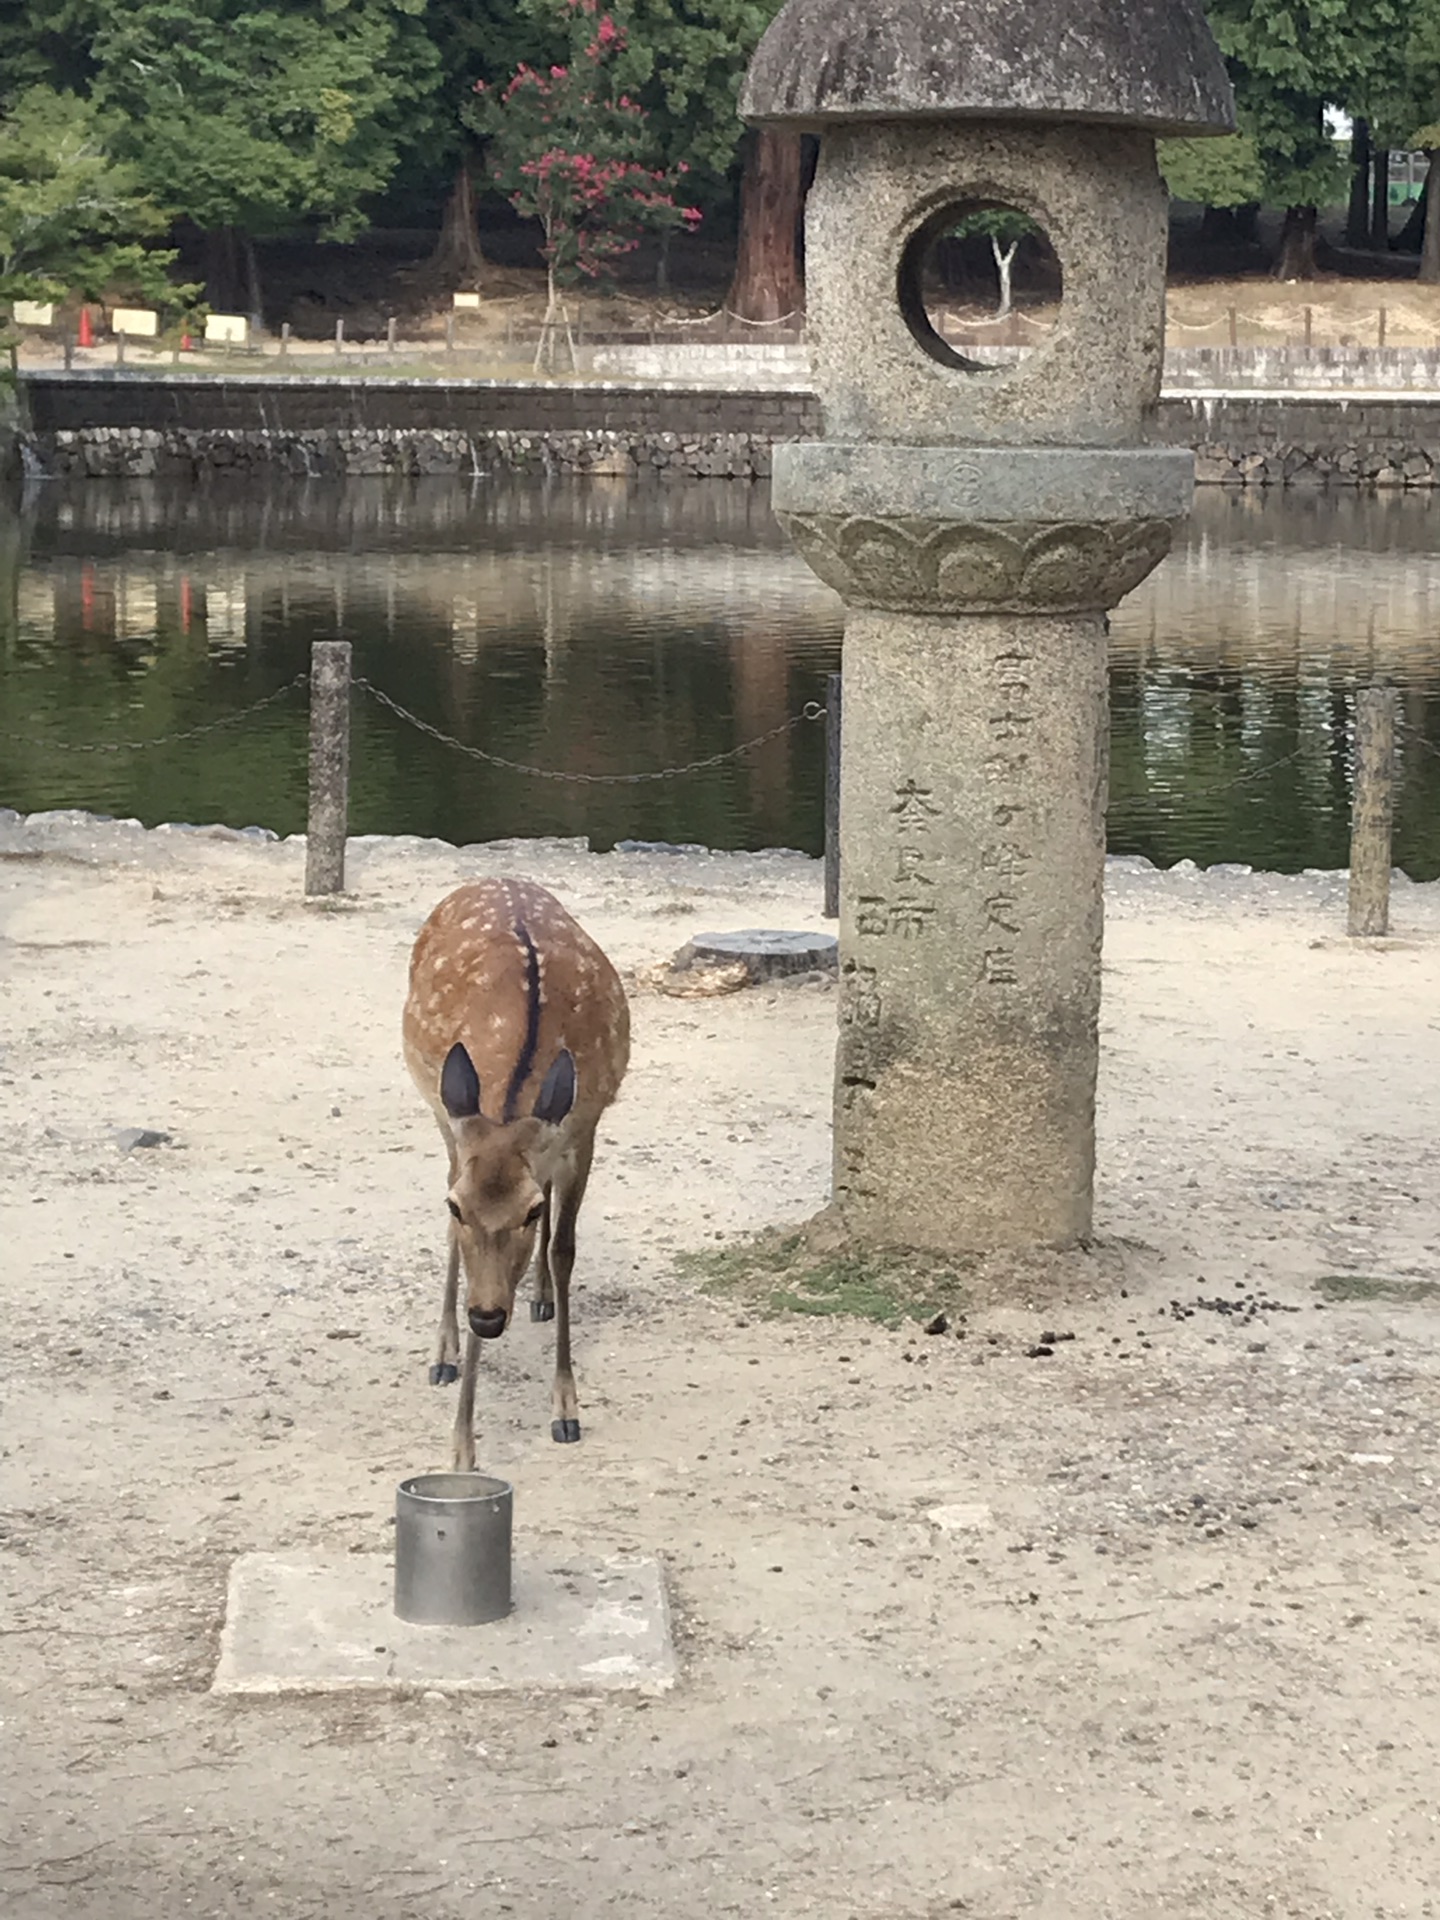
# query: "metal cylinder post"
329 809
390 334
1372 811
832 796
452 1549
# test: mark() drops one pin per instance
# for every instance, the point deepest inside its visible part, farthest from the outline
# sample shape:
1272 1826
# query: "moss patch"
1367 1286
812 1270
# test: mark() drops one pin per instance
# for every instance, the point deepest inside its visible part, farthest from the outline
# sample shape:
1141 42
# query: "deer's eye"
535 1212
454 1210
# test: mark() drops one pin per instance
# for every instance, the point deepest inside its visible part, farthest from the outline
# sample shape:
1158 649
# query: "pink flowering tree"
568 148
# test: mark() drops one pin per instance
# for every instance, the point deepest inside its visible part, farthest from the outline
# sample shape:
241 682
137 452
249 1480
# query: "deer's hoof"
542 1309
444 1374
564 1430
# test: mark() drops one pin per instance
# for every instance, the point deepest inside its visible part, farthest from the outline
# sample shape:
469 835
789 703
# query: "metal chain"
1407 732
168 739
1243 779
812 710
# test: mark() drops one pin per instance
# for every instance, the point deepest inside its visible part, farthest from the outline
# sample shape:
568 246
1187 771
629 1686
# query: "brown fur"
503 969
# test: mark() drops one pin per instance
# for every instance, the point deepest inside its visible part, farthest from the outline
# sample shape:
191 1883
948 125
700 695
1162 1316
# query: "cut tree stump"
765 954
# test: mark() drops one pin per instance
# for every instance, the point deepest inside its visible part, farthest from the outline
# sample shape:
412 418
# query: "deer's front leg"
462 1446
564 1403
447 1353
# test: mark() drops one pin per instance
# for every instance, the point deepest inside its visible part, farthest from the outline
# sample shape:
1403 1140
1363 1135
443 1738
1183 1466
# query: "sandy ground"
1188 1668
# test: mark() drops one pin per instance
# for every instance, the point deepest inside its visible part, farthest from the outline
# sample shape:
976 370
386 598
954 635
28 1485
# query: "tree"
1411 116
1289 59
567 148
479 40
71 218
1004 228
250 122
687 65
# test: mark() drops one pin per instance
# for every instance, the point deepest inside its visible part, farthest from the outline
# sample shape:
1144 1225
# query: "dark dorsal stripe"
524 1065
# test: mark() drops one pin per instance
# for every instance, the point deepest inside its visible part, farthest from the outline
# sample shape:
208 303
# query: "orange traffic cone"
85 338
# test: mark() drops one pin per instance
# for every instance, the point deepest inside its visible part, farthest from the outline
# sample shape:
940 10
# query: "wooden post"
340 334
390 334
449 333
329 811
1309 327
69 350
832 796
284 338
1380 329
1234 328
1372 810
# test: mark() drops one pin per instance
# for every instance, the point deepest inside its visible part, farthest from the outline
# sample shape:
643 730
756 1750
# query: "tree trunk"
457 259
1357 219
1430 247
767 283
1380 201
1296 258
254 305
223 292
1004 266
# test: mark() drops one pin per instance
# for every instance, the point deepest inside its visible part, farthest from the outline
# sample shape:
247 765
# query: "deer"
516 1031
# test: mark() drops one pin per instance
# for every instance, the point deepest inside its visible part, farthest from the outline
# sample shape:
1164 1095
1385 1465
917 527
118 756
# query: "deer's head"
497 1200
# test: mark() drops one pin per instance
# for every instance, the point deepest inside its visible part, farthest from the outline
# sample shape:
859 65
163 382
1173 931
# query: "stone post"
978 521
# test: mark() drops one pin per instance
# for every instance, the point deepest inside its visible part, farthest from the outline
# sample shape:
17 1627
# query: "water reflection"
601 628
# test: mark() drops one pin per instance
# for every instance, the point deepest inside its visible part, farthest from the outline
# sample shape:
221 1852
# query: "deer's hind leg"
542 1307
569 1192
446 1369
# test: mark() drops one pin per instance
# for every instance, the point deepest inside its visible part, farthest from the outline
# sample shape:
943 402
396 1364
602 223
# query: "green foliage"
263 118
1215 173
685 62
1289 59
71 217
1005 224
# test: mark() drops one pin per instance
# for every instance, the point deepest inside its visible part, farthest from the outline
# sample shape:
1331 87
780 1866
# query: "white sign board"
226 329
34 313
467 303
141 322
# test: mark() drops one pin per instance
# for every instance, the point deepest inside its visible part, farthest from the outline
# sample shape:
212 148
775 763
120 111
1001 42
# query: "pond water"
602 628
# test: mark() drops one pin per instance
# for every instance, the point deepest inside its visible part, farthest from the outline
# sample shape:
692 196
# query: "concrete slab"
325 1623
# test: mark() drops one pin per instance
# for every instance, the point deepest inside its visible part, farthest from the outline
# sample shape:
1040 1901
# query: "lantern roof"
1152 64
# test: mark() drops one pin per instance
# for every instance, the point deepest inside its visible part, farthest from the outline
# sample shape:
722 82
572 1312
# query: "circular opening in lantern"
979 285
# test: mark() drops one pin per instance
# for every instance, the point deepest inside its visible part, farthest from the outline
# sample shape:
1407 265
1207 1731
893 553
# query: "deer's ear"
557 1096
460 1084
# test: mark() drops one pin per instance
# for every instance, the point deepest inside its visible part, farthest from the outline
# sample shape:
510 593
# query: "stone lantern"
979 520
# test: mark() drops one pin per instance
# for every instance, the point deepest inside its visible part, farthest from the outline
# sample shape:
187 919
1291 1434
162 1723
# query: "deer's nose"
487 1326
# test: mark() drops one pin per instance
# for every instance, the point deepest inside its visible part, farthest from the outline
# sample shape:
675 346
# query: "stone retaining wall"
135 425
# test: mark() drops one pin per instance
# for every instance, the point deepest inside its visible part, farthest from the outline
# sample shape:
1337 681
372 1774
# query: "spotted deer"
517 1033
